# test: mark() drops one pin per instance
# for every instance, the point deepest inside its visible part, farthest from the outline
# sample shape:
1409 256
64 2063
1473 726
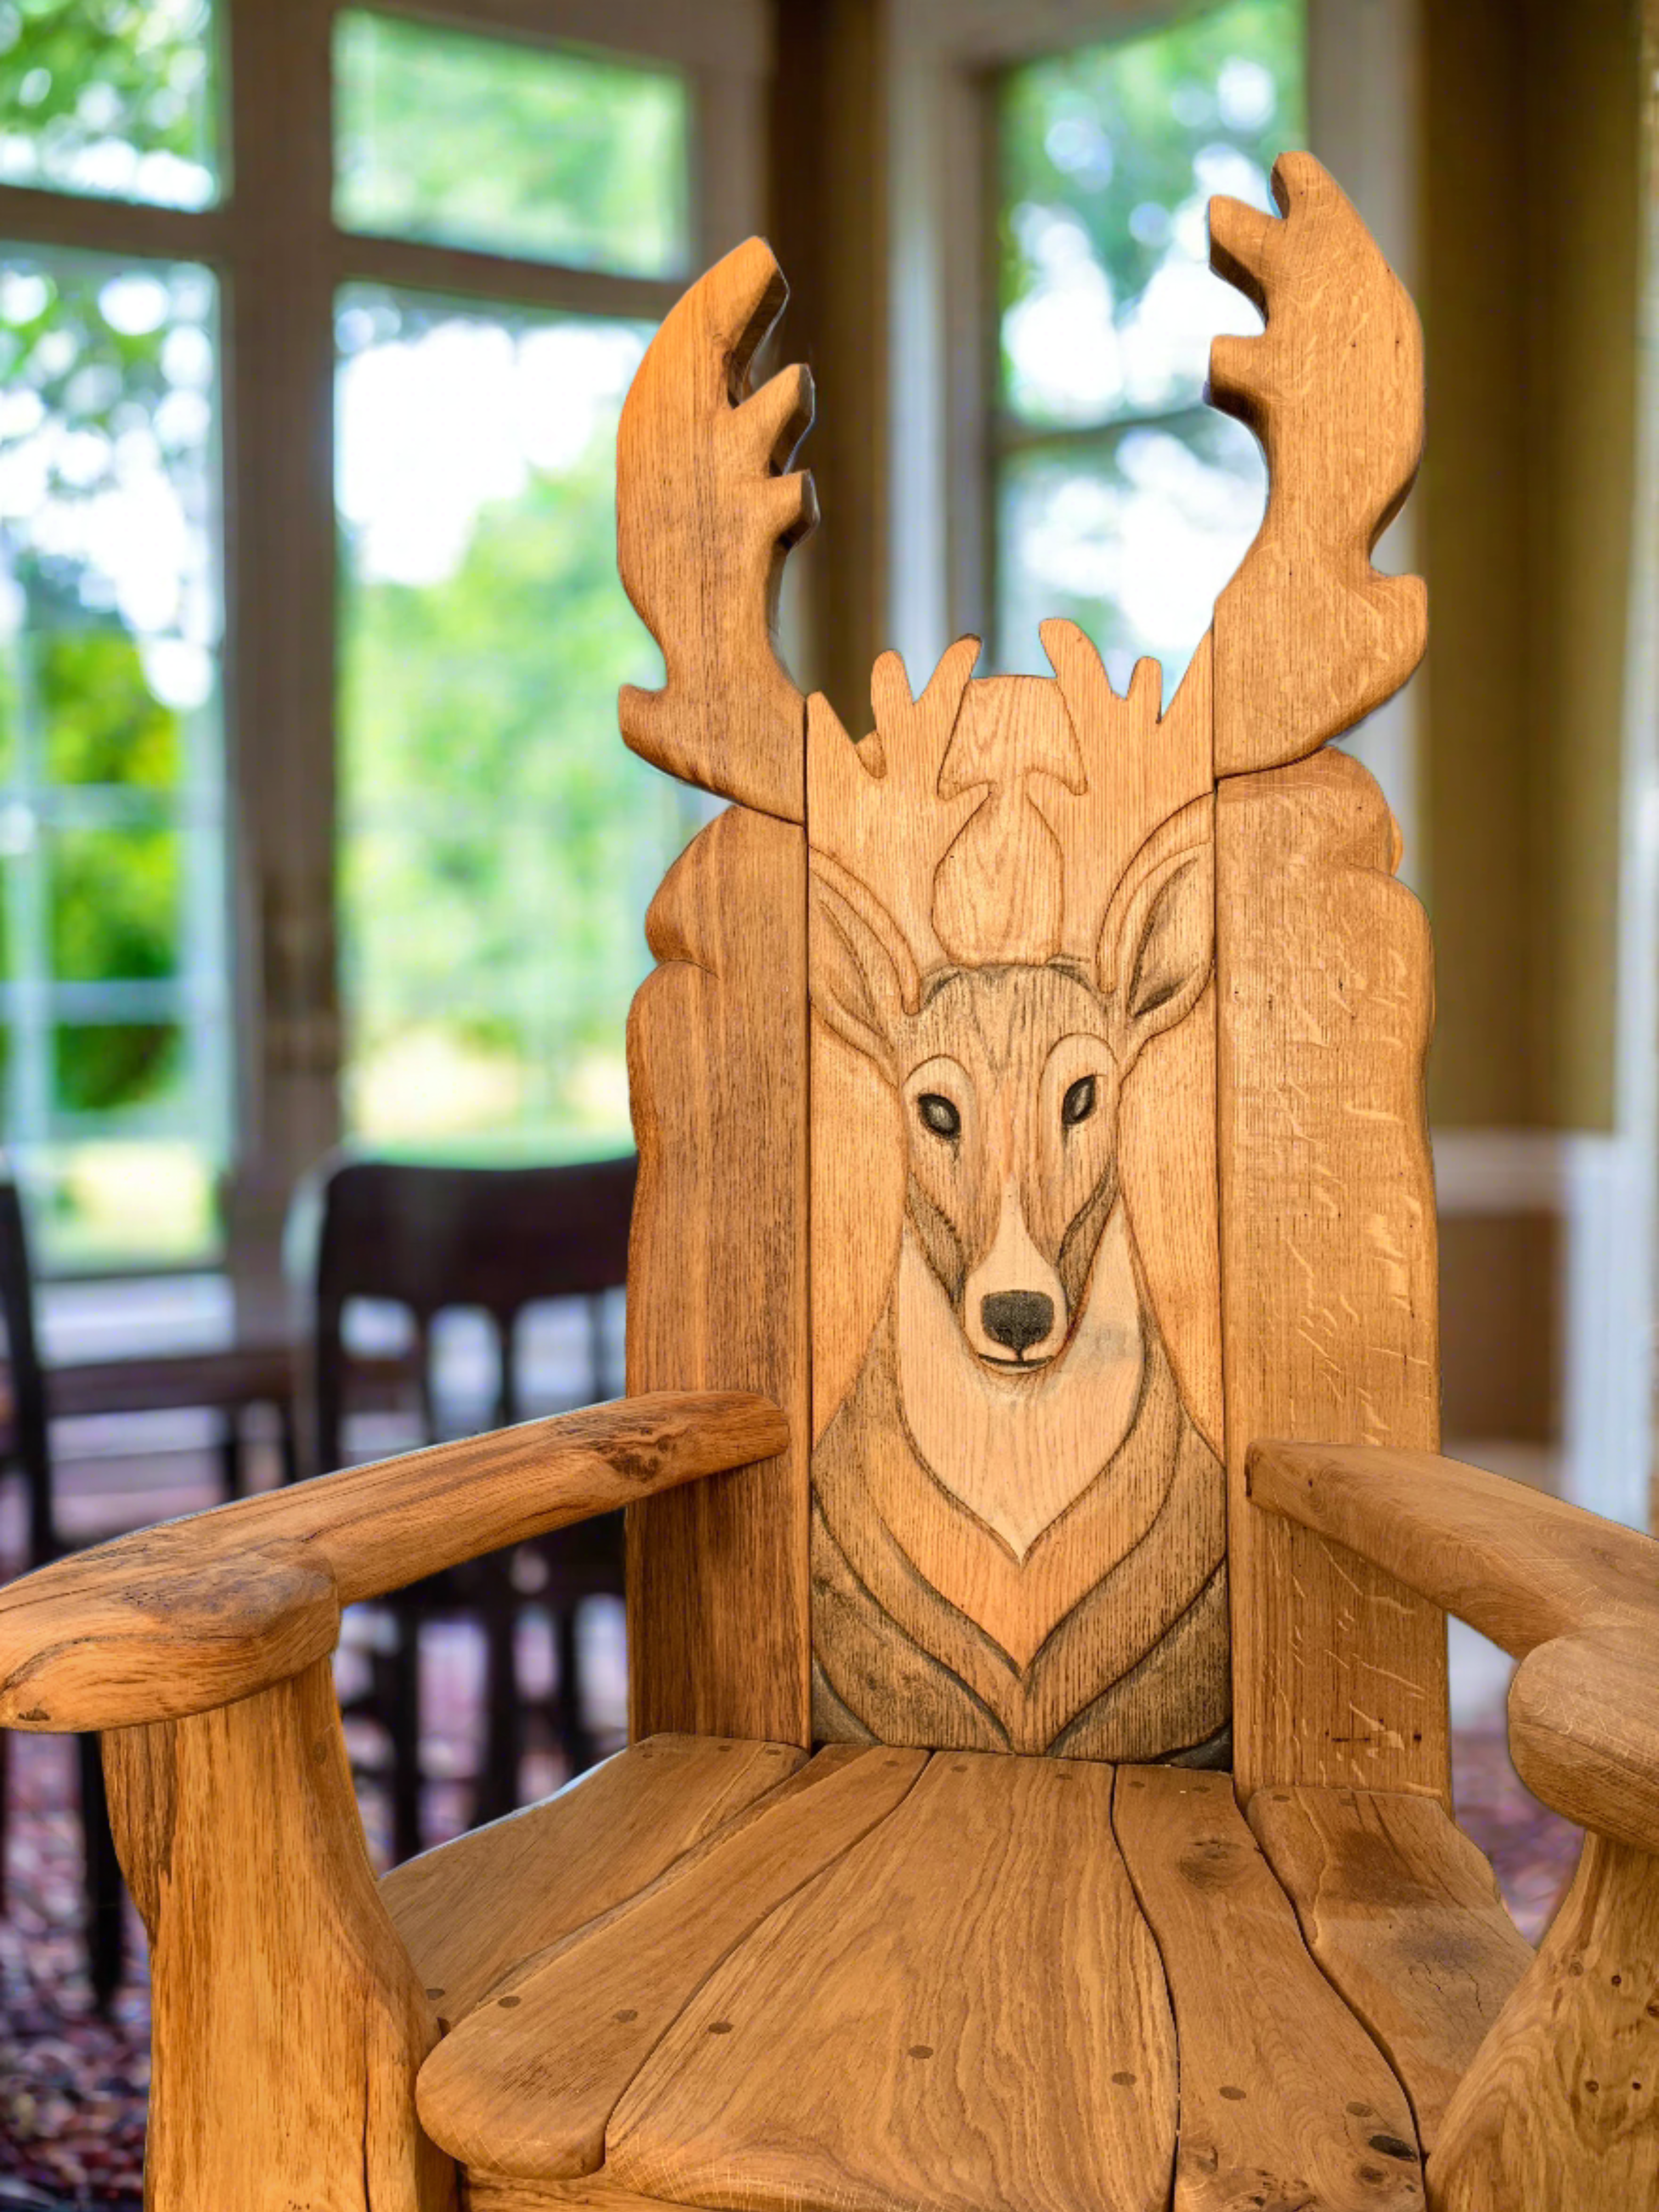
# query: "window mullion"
279 448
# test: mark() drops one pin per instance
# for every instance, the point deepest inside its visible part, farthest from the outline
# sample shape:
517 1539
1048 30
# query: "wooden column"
289 2027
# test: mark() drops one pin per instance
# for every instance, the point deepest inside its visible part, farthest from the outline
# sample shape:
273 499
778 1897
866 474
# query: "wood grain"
1522 1567
287 2023
1284 2100
717 1584
1327 1265
471 1909
526 2085
965 2010
1018 1522
1574 1597
179 1619
1309 636
705 516
1561 2106
1404 1914
496 2192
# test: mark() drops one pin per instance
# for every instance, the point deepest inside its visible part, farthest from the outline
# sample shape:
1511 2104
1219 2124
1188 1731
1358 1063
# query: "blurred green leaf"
545 151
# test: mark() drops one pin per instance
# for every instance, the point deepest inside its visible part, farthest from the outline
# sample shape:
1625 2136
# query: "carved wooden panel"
1019 1519
968 1216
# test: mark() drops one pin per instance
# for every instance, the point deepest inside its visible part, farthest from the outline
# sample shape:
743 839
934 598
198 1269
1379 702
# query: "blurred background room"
323 868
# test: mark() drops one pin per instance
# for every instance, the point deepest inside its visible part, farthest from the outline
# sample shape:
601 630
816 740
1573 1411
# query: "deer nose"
1017 1318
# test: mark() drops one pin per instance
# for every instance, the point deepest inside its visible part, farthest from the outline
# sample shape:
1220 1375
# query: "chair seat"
881 1980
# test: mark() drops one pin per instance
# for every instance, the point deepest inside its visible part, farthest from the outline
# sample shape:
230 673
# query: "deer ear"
864 977
1158 946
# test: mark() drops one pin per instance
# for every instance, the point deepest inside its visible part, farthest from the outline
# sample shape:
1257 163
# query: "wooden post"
289 2027
1561 2106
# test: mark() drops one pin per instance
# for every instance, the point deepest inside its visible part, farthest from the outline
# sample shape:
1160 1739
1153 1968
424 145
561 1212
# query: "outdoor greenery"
110 97
500 844
559 155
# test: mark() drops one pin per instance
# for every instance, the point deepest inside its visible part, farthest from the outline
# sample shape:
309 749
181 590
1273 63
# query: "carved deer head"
1010 1077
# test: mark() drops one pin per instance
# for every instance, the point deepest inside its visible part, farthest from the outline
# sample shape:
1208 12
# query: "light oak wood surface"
963 2010
705 515
1018 1521
287 2023
1574 1597
1327 1265
717 1581
1405 1916
1285 2099
1561 2106
193 1614
1309 636
526 2085
469 1911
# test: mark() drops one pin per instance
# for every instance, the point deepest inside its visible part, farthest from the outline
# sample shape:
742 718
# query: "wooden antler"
705 515
1309 636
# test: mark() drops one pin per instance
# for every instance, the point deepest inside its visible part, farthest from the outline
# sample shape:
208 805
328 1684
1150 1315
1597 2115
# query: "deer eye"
938 1115
1079 1103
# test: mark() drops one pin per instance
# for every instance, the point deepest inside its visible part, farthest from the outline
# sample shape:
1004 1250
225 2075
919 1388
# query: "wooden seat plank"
524 2086
1285 2099
964 2014
471 1910
1404 1914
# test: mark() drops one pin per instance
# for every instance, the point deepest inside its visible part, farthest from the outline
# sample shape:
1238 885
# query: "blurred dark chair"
28 1448
434 1239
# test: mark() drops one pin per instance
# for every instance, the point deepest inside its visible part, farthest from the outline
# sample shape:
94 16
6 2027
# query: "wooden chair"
28 1448
1029 1112
432 1239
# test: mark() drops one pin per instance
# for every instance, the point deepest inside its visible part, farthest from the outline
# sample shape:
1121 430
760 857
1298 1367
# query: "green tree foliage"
108 95
500 844
558 155
1117 135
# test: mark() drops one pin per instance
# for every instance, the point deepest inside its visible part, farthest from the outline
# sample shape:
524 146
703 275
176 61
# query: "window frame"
941 300
279 259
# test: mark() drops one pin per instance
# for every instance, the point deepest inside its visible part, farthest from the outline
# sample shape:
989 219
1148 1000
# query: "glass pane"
500 843
539 151
1108 156
101 721
132 1202
1131 534
113 1067
115 905
112 97
112 851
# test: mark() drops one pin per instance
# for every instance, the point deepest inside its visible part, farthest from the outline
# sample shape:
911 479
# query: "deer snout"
1013 1309
1018 1319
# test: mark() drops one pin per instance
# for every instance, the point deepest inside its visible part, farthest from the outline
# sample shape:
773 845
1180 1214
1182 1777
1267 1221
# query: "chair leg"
575 1739
105 1893
405 1721
498 1780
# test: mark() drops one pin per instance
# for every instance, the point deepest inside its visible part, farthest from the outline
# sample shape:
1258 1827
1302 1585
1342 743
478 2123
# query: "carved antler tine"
705 516
1309 637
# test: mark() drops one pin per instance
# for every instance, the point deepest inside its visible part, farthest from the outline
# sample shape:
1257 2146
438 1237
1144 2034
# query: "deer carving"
1017 1518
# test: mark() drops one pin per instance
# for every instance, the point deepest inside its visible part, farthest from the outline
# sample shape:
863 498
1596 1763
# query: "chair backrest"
434 1238
1029 1096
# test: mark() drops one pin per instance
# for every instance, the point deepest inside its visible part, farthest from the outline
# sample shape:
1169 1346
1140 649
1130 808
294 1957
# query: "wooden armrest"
196 1613
1573 1597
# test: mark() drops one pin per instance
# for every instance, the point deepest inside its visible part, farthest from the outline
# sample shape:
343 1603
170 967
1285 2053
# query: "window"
113 1020
369 284
499 845
1118 498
